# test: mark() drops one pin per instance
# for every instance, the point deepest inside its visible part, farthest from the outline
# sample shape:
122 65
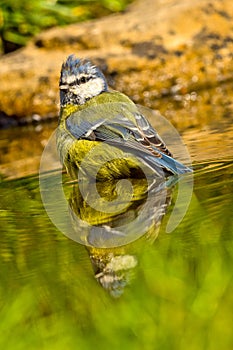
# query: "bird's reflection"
108 218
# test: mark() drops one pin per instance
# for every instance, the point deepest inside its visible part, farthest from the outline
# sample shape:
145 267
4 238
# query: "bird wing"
82 128
133 134
130 141
150 135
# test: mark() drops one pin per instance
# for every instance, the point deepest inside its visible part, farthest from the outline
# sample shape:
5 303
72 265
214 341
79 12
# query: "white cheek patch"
91 88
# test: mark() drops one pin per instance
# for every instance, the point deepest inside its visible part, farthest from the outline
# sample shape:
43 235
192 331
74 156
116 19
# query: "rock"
164 49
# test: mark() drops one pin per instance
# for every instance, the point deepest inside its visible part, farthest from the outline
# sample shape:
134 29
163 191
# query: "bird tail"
169 164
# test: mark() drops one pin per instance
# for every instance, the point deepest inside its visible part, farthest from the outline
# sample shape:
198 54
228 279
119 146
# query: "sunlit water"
173 290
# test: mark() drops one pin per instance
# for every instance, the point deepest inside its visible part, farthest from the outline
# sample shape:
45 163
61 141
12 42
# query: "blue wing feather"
143 142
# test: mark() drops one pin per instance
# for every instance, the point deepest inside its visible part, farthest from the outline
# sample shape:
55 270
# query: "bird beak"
63 87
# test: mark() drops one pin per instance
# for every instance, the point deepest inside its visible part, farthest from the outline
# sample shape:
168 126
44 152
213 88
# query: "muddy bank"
162 54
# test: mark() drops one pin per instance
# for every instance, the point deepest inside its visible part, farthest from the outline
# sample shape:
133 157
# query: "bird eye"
83 80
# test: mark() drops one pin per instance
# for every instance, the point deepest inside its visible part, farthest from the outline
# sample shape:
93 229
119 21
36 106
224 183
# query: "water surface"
162 291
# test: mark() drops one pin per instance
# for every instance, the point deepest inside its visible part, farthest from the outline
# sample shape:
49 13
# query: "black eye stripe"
79 81
73 83
84 79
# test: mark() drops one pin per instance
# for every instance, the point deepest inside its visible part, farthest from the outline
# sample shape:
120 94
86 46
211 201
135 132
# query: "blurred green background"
20 20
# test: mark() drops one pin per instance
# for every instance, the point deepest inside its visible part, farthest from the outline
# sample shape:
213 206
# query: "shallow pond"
160 291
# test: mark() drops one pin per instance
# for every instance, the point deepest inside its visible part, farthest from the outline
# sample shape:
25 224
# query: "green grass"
20 20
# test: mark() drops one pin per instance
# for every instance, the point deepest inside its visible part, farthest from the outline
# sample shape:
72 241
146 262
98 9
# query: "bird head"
80 80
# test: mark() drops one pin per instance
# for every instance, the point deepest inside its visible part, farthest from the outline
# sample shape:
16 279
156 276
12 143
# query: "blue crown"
76 66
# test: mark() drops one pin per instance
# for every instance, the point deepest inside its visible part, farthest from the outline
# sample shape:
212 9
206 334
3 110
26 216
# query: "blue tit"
102 134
